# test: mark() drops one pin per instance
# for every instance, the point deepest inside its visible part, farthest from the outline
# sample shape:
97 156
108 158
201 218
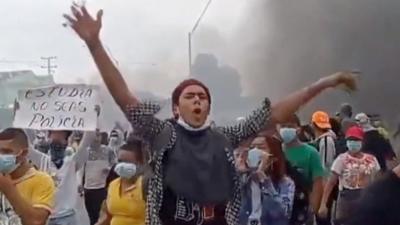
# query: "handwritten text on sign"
61 107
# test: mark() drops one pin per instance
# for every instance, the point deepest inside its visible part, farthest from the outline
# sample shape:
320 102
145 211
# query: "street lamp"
190 34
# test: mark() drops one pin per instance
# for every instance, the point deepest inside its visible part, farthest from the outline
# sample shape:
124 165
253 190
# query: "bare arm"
105 216
111 75
285 108
265 117
333 179
140 115
316 194
29 214
82 154
88 30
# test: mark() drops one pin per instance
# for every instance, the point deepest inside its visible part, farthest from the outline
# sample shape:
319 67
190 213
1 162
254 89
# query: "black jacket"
380 204
378 146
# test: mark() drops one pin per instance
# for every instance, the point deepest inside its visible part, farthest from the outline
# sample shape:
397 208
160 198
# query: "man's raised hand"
84 24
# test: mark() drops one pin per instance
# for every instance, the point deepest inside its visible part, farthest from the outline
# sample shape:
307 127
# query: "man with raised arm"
194 179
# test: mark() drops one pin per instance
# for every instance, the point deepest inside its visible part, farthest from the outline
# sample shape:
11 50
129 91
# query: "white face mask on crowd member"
126 170
288 134
9 163
130 161
354 146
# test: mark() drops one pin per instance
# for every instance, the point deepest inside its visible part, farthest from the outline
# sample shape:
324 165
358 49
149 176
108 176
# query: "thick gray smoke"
284 45
224 84
289 43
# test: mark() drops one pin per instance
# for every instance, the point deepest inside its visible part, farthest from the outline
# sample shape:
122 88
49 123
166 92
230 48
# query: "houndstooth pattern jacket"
147 126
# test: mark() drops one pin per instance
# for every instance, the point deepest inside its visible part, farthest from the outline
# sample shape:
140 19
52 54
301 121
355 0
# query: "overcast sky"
148 36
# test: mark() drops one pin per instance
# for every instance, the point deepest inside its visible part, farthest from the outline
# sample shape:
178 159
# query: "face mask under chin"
196 127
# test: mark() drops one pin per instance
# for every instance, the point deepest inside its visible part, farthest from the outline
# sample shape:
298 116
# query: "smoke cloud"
276 47
284 45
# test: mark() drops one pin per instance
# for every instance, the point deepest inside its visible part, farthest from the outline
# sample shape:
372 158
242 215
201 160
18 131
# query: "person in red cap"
354 170
195 181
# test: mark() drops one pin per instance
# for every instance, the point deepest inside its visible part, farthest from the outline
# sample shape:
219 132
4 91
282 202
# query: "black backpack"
340 145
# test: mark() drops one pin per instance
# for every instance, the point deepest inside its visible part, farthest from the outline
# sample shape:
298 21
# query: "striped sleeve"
143 120
253 124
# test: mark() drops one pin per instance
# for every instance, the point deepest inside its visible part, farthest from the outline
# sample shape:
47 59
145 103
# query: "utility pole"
49 66
190 34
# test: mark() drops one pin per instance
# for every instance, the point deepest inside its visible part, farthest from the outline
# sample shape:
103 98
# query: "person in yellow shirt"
26 194
125 203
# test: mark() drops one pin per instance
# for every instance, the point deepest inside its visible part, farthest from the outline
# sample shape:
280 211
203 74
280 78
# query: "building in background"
10 83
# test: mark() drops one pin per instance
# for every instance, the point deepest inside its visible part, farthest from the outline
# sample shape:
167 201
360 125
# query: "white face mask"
354 146
254 157
8 163
288 135
126 170
190 128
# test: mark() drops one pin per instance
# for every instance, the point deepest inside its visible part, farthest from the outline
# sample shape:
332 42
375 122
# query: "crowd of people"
268 169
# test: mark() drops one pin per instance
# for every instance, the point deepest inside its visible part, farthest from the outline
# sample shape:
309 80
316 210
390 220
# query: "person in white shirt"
63 169
116 140
96 169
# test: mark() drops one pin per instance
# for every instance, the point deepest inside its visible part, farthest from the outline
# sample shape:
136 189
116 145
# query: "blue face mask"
354 146
125 170
8 163
288 134
254 157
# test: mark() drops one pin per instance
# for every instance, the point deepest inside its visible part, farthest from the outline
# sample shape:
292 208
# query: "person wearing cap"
26 195
325 144
354 170
374 142
325 137
192 160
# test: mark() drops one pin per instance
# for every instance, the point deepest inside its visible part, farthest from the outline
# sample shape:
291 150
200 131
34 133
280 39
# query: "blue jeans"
65 220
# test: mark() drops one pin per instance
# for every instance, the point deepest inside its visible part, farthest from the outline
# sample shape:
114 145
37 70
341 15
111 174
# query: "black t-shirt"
378 146
197 167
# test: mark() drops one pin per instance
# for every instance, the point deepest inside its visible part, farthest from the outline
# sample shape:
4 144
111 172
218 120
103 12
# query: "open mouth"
197 111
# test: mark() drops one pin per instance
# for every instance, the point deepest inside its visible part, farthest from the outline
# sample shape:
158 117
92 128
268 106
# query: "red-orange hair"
279 165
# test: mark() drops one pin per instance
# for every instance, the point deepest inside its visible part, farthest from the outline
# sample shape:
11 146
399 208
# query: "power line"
190 34
49 66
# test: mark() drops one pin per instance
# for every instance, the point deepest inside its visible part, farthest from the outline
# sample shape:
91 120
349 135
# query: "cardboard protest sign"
60 107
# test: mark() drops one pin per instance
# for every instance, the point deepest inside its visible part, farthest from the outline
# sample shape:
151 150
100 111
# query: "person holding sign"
194 169
63 169
26 195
